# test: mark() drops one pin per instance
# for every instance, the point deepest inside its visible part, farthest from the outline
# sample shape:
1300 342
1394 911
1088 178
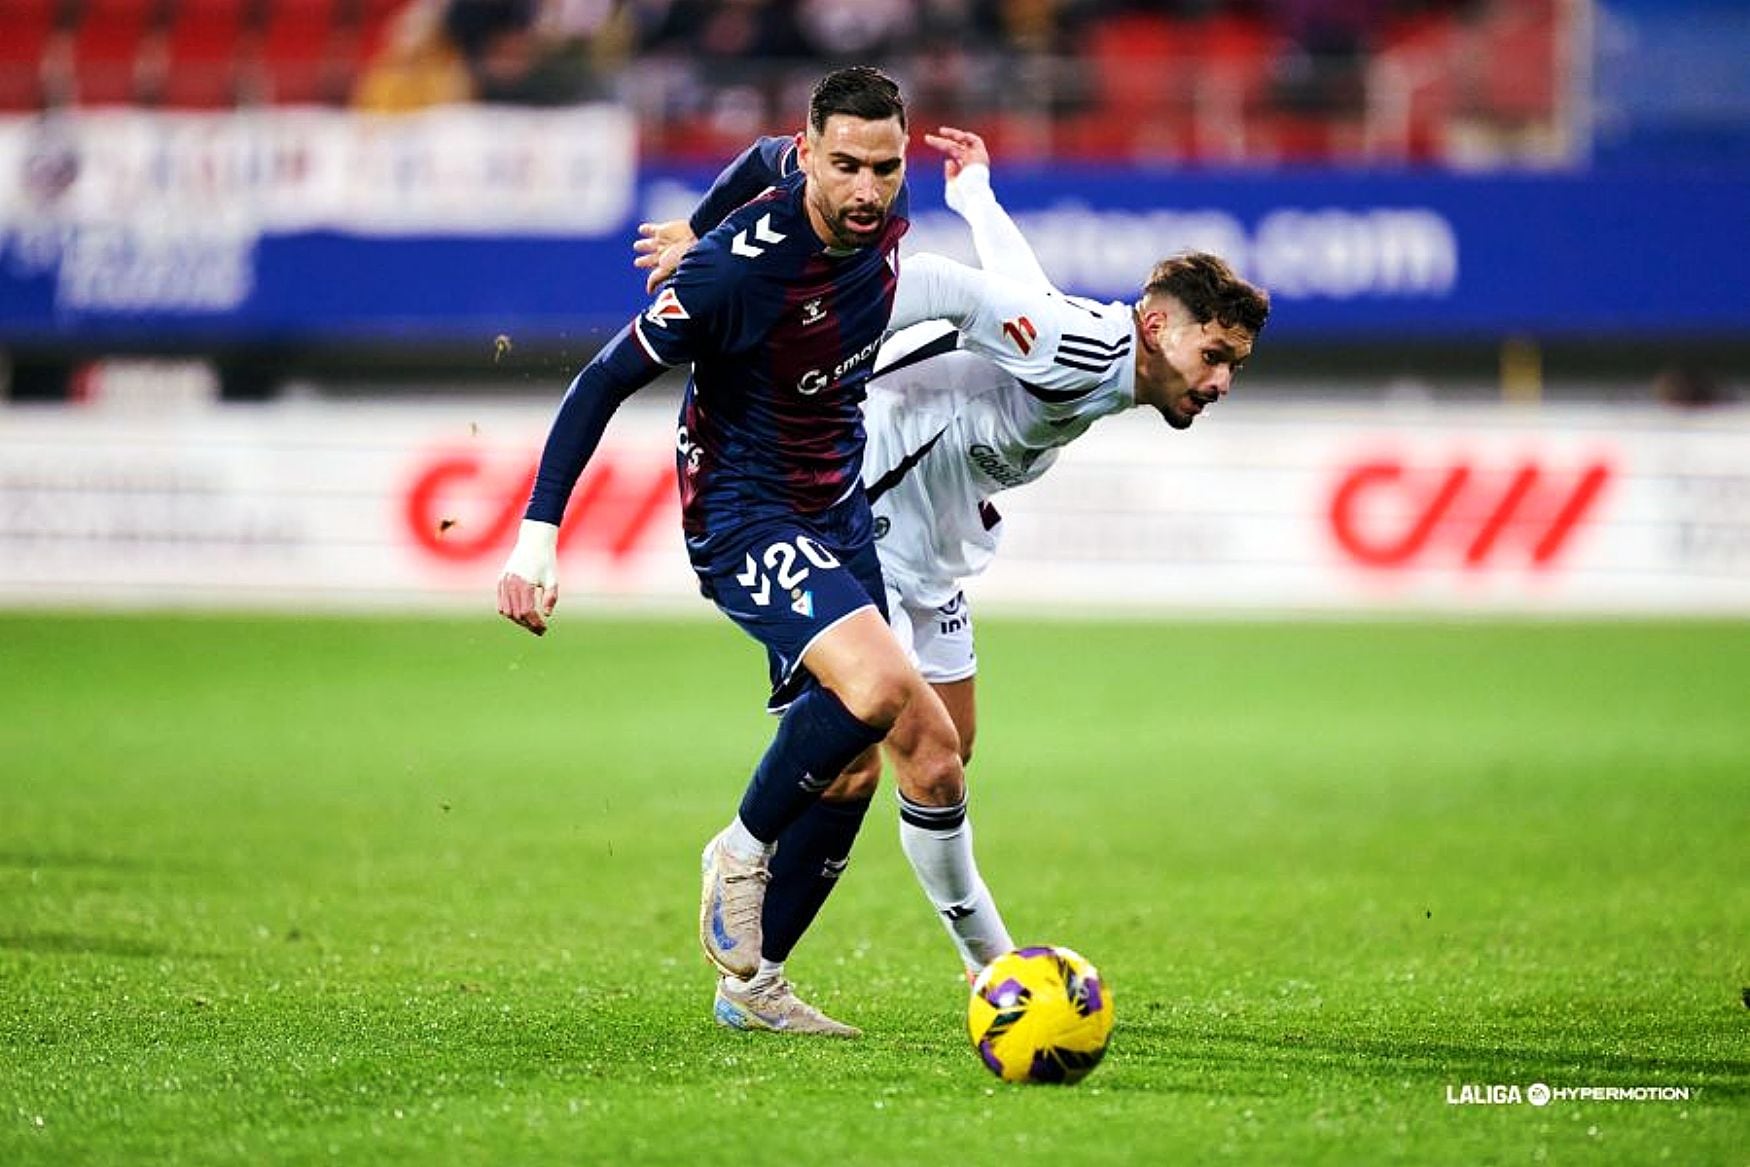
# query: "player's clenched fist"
529 587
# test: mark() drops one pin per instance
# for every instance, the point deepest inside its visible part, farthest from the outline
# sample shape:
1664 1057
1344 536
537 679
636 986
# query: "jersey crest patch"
1021 333
668 307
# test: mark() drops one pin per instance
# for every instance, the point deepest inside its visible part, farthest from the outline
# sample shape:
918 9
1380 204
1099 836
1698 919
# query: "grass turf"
401 891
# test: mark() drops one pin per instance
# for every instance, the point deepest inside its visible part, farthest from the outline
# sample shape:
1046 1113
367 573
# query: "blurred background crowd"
1222 81
1632 116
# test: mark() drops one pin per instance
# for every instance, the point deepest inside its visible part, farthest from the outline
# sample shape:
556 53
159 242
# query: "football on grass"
1040 1015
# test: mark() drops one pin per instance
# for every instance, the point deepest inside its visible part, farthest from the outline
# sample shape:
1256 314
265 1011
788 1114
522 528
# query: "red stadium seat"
297 42
112 50
202 48
1235 55
1413 87
1140 75
30 29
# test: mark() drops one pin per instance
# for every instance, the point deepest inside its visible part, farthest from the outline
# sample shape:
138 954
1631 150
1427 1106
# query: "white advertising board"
306 505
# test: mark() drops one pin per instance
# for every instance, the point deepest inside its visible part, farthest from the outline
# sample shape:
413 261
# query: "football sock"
770 973
740 841
817 738
812 853
938 841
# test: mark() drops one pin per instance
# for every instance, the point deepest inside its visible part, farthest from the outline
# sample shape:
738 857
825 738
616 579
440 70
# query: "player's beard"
839 222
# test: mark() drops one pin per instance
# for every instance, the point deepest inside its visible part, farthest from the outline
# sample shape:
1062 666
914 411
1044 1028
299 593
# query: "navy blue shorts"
786 581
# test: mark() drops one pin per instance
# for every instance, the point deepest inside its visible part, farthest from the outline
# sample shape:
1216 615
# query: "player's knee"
879 695
931 773
966 746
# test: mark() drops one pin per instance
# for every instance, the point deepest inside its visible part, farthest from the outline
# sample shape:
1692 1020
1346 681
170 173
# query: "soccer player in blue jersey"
779 308
958 412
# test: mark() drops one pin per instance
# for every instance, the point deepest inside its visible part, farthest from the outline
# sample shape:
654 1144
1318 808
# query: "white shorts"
938 640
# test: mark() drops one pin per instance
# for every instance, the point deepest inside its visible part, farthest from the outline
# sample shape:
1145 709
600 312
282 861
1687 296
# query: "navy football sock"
812 853
817 738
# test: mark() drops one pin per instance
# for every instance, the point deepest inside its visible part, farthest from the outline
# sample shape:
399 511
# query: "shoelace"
741 911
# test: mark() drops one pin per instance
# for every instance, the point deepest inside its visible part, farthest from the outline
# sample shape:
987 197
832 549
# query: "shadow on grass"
1556 1063
75 944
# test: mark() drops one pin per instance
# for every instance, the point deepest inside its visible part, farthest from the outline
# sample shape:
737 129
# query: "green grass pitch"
403 891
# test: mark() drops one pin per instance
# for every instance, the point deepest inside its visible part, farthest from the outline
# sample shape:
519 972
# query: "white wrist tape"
536 554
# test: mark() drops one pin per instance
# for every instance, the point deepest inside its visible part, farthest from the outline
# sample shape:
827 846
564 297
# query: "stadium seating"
203 46
301 51
1209 84
26 52
116 50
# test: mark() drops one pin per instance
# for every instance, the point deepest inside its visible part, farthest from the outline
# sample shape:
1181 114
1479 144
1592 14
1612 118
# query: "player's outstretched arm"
528 588
934 287
1000 245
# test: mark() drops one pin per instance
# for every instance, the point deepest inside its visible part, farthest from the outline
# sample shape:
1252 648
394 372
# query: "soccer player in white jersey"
949 428
977 401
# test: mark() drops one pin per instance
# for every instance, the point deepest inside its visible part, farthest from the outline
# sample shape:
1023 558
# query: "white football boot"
729 909
774 1007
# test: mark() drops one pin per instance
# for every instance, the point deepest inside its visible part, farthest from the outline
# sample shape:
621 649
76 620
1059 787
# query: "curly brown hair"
1210 290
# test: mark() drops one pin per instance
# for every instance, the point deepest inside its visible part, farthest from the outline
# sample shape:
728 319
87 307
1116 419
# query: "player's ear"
1150 322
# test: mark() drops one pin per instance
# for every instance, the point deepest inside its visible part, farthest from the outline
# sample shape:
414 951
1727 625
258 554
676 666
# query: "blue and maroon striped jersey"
781 332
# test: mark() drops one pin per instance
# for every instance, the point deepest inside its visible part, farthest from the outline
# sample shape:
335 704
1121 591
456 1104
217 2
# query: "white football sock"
938 841
741 843
770 973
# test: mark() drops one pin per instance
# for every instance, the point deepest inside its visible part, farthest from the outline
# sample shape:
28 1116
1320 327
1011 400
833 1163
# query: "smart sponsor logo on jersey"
814 380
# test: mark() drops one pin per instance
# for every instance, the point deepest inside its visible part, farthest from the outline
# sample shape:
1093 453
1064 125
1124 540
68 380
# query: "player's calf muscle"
859 780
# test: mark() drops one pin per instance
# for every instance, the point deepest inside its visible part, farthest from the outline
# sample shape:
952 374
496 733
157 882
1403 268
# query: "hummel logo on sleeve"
762 233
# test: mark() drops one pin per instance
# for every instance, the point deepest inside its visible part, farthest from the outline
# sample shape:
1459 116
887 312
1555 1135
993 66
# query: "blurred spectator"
1322 70
1683 385
485 50
853 31
419 64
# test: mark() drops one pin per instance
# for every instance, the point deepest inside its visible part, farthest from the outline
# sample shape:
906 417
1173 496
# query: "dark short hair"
1210 290
860 91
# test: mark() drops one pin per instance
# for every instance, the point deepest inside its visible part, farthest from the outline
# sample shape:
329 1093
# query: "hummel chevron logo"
746 579
762 233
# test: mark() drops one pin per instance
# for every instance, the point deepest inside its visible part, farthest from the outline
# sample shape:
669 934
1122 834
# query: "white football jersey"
1005 371
948 428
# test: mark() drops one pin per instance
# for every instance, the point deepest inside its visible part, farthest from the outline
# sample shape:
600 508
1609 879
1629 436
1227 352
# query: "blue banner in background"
1348 259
